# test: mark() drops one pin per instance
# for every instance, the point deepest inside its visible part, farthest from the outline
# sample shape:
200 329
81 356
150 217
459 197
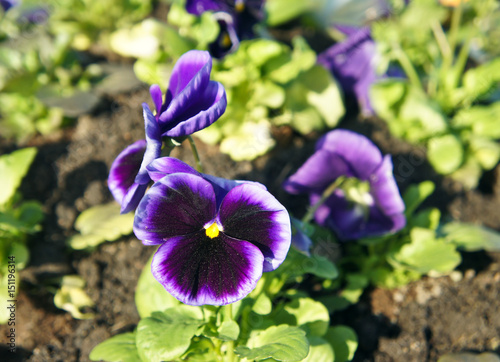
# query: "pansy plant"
191 103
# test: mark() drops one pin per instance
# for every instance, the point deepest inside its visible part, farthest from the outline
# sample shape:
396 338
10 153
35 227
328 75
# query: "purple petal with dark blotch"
362 156
153 141
317 173
7 4
199 111
198 7
198 270
191 71
384 189
124 170
157 98
178 204
222 186
163 166
250 213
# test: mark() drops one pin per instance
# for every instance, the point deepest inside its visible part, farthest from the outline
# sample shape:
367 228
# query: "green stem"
228 315
444 46
407 66
199 166
326 194
452 39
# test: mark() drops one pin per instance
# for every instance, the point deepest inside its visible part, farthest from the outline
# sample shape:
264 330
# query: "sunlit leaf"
119 348
13 167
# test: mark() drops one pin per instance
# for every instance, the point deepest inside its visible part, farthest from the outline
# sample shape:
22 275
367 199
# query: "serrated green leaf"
445 153
485 151
283 343
167 335
281 11
428 219
13 167
119 348
344 342
101 223
150 295
472 237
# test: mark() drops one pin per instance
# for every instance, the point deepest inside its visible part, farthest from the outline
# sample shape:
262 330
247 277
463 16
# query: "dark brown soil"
419 322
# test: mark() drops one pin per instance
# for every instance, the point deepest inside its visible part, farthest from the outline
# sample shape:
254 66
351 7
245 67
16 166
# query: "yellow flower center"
212 231
239 6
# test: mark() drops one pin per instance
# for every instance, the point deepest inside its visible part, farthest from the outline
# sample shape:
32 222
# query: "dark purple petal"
133 197
124 170
199 111
157 98
385 191
153 141
163 166
191 70
362 156
7 4
300 240
352 62
178 204
198 270
250 213
317 173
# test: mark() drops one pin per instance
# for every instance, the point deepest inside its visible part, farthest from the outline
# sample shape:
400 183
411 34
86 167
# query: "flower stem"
199 166
407 66
228 315
325 195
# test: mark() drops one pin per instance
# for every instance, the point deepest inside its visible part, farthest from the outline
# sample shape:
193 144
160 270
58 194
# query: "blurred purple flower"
353 62
7 4
36 15
236 19
300 240
216 236
352 213
192 102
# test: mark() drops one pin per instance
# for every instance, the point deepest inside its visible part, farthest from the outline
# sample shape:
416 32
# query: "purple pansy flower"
353 64
371 210
216 236
192 102
236 19
7 4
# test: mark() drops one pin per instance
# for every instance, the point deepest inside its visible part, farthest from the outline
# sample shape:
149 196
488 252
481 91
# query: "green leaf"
425 253
320 266
485 151
482 120
319 350
469 173
415 195
472 237
150 295
72 298
101 223
283 343
386 97
13 167
228 331
268 94
281 11
119 348
311 316
262 305
356 284
167 335
445 153
428 219
344 342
